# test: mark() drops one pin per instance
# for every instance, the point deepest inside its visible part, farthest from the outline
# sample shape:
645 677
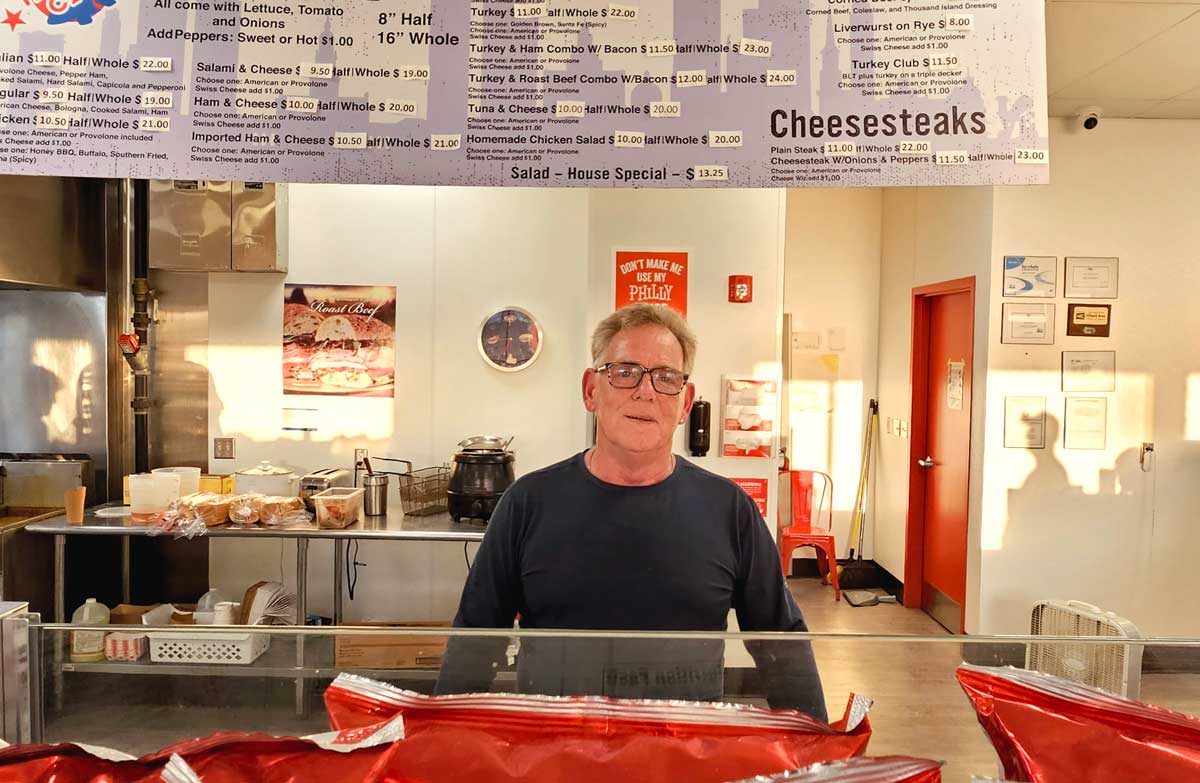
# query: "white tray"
219 648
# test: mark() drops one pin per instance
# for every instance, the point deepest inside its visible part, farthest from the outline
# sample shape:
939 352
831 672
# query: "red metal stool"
802 533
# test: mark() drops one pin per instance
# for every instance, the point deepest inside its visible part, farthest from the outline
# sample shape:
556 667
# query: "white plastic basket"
218 648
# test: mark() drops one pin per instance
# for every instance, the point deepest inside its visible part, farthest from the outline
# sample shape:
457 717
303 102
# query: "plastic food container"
124 646
189 479
150 494
338 507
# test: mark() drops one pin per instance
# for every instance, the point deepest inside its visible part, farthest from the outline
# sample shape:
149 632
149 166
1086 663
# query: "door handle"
926 463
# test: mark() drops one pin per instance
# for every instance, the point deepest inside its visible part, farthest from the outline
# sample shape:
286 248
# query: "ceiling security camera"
1089 118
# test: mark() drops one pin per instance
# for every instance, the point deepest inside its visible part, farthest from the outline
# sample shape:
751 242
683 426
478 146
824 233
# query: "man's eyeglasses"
627 375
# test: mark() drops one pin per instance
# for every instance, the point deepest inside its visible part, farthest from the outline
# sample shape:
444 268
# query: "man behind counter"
628 536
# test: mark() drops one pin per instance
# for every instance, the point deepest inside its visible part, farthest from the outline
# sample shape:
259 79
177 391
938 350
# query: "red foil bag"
886 769
362 755
591 739
1050 730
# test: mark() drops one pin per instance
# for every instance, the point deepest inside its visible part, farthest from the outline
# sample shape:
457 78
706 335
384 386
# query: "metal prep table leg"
60 579
37 706
125 593
339 576
301 614
59 639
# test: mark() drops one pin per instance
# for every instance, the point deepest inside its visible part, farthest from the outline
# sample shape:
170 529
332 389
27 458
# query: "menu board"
660 93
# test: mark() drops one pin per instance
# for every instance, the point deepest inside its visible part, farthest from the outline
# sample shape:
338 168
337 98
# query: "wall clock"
510 339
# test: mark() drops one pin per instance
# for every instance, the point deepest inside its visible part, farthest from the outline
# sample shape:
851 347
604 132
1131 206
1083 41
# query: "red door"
943 341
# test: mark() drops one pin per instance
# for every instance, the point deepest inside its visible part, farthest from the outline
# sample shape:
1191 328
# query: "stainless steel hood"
54 233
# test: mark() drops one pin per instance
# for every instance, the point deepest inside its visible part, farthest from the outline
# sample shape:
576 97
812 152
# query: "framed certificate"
1091 278
1085 425
1024 422
1031 276
1027 324
1089 371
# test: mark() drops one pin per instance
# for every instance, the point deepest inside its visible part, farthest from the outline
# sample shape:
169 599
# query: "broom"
855 574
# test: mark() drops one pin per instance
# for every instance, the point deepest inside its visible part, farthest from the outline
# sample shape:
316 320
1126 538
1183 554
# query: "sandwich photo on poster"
652 276
339 340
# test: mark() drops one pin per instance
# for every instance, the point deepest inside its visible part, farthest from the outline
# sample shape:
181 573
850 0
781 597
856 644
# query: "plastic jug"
88 646
208 602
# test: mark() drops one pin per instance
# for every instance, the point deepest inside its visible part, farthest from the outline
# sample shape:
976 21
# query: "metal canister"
375 495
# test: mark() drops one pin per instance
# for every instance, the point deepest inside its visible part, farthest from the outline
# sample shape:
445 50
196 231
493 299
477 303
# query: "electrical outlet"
222 448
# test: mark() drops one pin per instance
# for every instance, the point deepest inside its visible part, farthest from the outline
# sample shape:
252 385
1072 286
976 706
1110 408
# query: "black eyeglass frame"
642 369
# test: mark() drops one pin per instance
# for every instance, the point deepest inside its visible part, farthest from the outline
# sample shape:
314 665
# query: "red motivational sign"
652 276
756 488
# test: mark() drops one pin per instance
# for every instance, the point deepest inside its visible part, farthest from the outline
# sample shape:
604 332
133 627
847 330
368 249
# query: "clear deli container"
338 507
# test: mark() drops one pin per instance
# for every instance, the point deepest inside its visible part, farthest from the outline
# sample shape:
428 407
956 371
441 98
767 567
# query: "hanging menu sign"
661 93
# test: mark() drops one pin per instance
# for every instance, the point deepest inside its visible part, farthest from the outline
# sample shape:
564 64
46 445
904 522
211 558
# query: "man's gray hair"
635 315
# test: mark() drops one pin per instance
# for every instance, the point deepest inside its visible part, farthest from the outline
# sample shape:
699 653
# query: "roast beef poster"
339 340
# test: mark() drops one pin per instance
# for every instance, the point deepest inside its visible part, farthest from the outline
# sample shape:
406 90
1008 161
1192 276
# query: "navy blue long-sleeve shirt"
566 550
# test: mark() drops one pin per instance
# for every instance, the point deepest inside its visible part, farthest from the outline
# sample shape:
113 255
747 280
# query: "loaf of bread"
246 509
209 507
279 510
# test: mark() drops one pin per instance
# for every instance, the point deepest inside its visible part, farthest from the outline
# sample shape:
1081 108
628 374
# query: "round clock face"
510 340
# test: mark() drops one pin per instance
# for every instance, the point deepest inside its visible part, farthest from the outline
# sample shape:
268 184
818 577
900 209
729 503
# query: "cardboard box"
392 651
219 484
128 614
159 614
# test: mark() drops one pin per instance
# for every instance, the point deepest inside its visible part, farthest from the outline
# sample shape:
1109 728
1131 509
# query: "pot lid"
264 468
485 443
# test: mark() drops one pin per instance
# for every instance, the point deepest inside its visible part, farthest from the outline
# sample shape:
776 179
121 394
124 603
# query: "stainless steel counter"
396 526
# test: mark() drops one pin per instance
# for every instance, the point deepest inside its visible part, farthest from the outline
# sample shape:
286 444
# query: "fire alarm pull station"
741 289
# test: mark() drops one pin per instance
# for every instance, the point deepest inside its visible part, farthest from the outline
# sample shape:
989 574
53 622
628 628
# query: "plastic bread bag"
1050 730
283 512
209 507
592 739
181 523
225 757
245 509
886 769
179 520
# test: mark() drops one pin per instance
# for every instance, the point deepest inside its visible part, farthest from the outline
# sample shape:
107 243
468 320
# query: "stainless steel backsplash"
179 370
54 365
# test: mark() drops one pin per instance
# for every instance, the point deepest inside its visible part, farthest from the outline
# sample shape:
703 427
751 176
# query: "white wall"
725 232
1085 525
456 255
524 247
930 235
1089 525
831 281
1058 524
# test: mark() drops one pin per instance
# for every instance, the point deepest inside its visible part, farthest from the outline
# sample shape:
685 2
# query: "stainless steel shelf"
395 526
279 661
